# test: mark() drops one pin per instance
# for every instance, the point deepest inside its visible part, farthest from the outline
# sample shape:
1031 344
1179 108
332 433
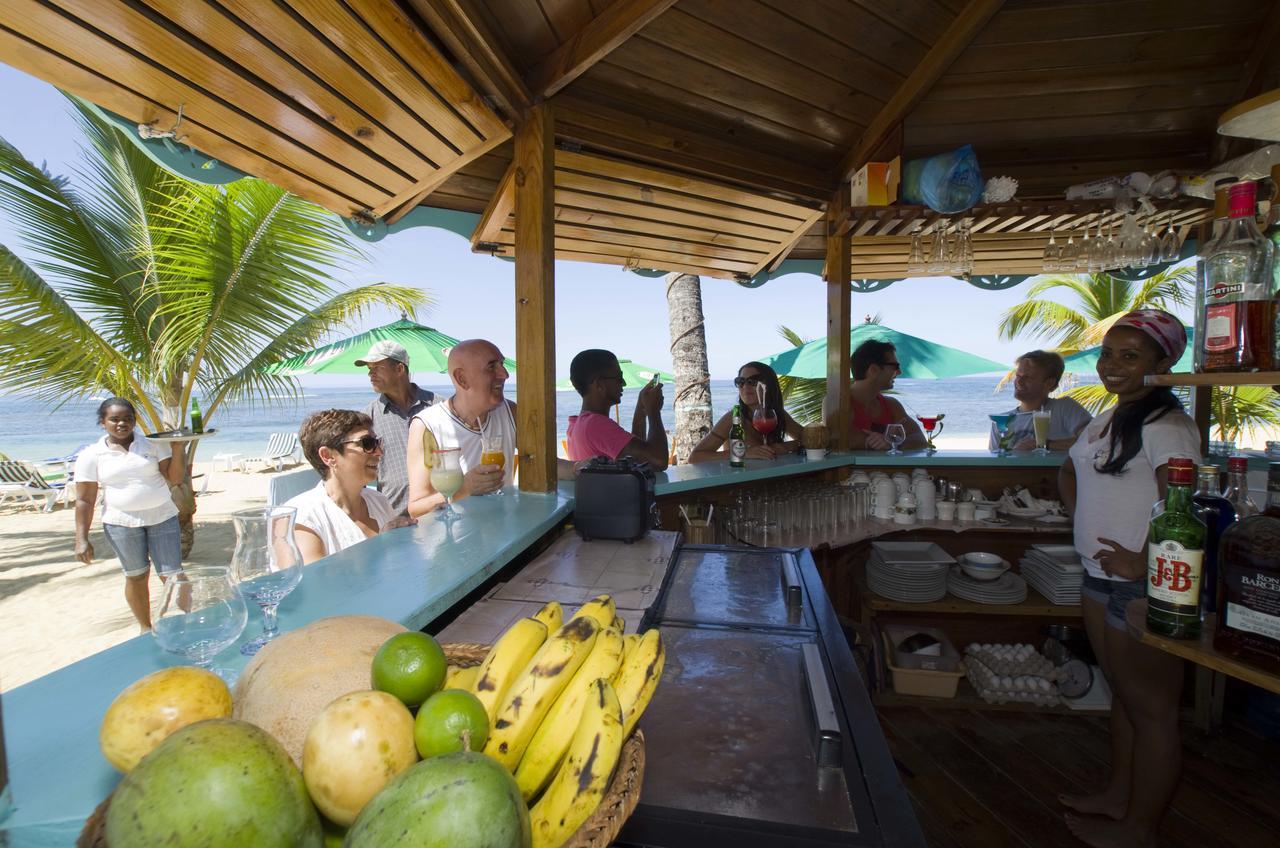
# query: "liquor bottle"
1272 235
1249 586
1239 323
1220 207
197 419
1218 514
1237 491
1175 559
737 440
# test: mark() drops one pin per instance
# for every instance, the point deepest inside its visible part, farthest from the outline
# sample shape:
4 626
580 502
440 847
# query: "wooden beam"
501 205
773 260
1250 81
593 42
534 179
458 24
967 24
838 407
405 202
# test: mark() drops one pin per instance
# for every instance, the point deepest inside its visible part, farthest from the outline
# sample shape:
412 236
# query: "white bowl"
980 559
984 572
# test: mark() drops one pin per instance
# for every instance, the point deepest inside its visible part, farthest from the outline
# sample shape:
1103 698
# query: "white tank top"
450 432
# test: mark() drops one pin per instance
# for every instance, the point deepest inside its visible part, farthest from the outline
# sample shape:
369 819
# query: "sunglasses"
739 382
896 366
368 444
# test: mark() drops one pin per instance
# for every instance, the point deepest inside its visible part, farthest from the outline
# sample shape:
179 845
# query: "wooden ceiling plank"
645 175
412 46
940 57
632 262
774 260
405 202
476 47
1187 74
1098 128
652 242
499 209
43 25
160 46
1249 82
592 43
644 211
69 76
1082 21
636 248
225 36
624 223
660 197
334 69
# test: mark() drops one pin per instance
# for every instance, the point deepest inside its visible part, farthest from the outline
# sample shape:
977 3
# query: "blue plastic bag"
947 183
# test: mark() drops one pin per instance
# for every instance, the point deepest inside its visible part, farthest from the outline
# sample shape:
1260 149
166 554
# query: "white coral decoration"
999 189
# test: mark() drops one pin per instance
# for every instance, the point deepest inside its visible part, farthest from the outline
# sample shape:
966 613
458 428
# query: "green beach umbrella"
921 359
636 376
428 352
1086 361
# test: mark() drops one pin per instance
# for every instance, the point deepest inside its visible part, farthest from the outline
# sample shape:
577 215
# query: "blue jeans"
1115 596
132 545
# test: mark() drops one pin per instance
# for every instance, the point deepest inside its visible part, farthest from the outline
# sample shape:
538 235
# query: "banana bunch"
562 698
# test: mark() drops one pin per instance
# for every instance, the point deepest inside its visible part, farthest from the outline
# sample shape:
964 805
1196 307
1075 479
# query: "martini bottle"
1175 558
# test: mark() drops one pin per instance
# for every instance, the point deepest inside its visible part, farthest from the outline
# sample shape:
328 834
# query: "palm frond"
791 336
1042 319
1093 397
1235 410
803 398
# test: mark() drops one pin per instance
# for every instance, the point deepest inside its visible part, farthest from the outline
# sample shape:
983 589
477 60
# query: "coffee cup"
814 454
946 510
983 513
966 511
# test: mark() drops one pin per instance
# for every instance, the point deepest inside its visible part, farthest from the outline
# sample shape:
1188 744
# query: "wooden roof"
374 106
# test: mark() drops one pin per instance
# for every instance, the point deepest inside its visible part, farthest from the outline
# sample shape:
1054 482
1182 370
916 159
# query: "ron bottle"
1175 558
1218 514
197 419
1239 312
1249 587
737 440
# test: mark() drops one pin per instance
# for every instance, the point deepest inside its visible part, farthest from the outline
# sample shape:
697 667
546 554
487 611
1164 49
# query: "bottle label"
737 450
1221 327
1173 574
1253 621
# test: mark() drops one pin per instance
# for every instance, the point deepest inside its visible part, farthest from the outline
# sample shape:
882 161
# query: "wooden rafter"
593 42
405 202
967 24
459 26
773 261
500 207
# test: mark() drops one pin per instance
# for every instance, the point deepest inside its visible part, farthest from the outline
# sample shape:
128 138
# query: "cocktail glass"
896 434
932 425
1002 423
446 477
266 562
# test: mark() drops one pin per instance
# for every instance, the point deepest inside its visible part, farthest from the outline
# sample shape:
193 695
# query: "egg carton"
996 688
1011 660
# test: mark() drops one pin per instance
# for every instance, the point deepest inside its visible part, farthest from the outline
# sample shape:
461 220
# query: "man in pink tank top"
875 366
598 378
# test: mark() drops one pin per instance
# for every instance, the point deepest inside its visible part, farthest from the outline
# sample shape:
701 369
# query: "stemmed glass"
939 261
915 260
1052 254
446 477
896 434
764 420
266 562
1002 422
199 615
1169 247
929 423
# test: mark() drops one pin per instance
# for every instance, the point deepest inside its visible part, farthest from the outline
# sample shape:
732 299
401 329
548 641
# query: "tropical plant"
1234 411
802 396
141 284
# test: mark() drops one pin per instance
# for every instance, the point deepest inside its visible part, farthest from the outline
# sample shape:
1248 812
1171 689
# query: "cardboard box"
876 183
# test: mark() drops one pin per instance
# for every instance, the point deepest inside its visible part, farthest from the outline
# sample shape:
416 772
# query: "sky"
596 305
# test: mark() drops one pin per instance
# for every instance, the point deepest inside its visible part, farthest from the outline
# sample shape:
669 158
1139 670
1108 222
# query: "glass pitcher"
267 563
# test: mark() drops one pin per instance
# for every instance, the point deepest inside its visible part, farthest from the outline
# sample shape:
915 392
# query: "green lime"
452 720
410 666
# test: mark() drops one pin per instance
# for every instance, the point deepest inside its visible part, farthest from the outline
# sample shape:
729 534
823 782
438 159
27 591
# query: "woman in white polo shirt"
139 516
1114 474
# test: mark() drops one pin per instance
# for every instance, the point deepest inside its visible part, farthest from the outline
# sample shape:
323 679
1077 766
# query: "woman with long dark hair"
754 380
1115 472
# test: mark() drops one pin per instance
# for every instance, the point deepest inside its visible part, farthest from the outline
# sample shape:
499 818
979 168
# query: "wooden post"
535 298
839 414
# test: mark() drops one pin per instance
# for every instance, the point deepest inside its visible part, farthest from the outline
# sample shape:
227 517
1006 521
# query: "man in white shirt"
1037 376
398 400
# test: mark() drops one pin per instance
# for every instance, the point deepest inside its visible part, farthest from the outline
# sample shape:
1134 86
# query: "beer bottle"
737 440
1175 558
197 420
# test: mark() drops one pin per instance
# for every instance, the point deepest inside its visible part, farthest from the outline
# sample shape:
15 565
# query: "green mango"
460 800
220 783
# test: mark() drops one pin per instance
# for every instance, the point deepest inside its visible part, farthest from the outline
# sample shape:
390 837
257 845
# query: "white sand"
55 610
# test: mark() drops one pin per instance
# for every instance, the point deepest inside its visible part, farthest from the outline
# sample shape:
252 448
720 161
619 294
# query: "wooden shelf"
1258 117
1035 605
1228 378
1200 652
968 699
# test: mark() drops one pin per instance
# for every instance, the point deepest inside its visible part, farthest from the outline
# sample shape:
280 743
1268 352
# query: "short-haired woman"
139 516
341 510
751 377
1115 472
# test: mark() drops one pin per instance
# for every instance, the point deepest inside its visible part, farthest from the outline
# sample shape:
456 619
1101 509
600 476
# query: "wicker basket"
596 832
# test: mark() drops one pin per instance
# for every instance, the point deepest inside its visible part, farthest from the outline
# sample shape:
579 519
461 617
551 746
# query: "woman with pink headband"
1114 473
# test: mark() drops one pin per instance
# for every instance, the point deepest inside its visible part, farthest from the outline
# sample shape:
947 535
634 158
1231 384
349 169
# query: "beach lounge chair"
20 479
281 448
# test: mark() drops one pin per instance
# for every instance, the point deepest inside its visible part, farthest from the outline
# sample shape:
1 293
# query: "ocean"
31 430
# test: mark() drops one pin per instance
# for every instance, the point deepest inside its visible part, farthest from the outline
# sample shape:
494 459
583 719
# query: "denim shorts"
1115 595
132 545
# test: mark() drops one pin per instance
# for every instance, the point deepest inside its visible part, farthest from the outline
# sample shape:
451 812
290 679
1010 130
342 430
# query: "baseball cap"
384 350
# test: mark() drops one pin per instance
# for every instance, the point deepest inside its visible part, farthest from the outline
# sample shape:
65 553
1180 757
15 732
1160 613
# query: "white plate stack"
1008 588
1055 572
909 572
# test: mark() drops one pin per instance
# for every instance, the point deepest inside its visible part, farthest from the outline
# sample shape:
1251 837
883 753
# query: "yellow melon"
301 672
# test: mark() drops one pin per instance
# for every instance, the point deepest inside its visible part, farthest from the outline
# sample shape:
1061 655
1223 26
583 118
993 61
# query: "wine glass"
929 423
939 261
446 477
1169 246
1002 422
200 613
896 434
915 260
266 562
1052 254
763 420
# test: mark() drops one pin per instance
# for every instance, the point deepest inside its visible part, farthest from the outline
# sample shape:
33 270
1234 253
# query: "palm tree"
804 396
141 284
687 326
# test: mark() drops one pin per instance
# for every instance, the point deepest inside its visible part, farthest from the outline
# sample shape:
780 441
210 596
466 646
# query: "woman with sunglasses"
341 510
753 379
